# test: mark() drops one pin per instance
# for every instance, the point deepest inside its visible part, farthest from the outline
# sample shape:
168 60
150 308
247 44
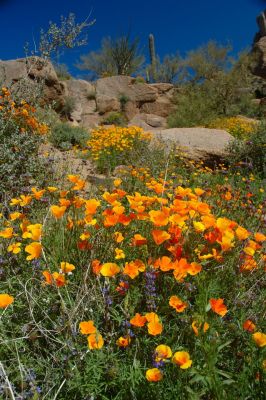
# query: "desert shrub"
64 136
123 99
91 95
47 115
213 85
250 154
194 106
139 79
116 145
114 118
239 127
62 72
68 107
20 137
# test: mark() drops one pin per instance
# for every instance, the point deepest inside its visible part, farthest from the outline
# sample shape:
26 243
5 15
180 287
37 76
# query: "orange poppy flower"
118 209
160 236
110 220
138 240
218 306
228 196
123 341
125 219
14 248
95 341
165 263
196 326
117 182
199 191
56 278
259 237
242 233
15 215
109 269
199 226
58 211
182 359
91 206
259 338
7 233
208 221
78 202
79 183
48 277
33 232
118 237
51 189
96 266
177 304
249 264
159 218
119 254
59 279
138 320
5 300
87 327
180 269
194 268
133 268
34 249
154 375
154 325
111 198
249 326
162 352
65 202
66 268
25 200
37 194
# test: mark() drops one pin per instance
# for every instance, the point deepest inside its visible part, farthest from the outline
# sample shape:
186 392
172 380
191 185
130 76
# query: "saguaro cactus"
261 21
152 57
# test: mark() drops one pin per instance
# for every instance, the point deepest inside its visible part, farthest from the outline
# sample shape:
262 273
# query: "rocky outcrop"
259 53
94 102
204 144
23 75
127 94
259 47
88 103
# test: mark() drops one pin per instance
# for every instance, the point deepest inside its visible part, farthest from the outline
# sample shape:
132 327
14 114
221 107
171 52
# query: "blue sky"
178 25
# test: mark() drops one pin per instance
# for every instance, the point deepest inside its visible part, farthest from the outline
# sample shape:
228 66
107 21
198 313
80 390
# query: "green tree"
119 56
169 70
214 84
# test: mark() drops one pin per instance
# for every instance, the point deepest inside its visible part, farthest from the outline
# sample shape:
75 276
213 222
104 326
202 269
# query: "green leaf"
224 345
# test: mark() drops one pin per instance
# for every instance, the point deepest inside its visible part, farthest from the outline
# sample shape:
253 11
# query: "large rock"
130 110
32 76
259 54
83 96
259 47
204 144
148 121
116 86
162 107
106 104
164 89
